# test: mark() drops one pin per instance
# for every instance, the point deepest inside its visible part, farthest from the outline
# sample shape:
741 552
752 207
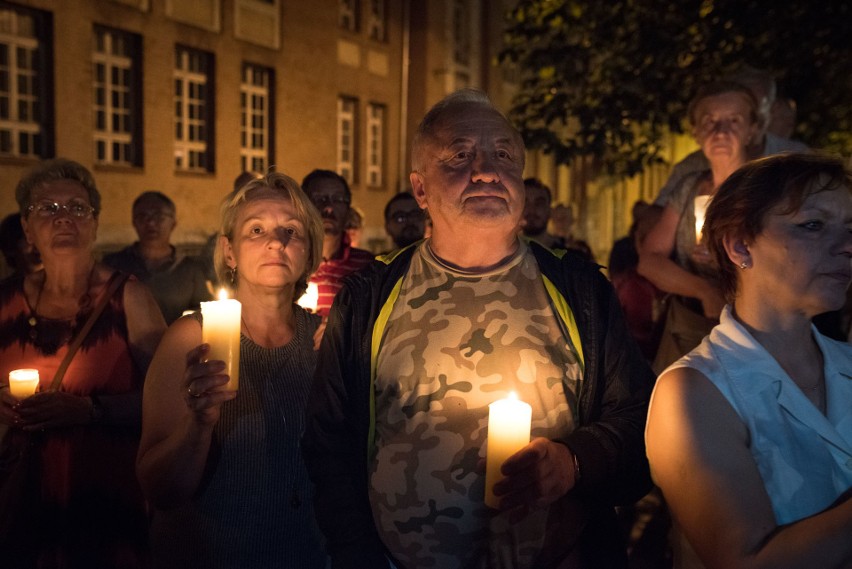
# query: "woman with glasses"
673 256
222 468
91 510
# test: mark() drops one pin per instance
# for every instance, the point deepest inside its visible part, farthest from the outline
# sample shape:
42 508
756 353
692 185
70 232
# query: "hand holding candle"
508 432
221 329
23 382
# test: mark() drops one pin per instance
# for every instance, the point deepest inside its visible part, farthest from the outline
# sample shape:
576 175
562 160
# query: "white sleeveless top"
804 457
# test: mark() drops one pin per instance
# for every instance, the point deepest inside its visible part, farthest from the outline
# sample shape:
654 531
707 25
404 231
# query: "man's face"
536 210
330 198
471 173
406 222
153 220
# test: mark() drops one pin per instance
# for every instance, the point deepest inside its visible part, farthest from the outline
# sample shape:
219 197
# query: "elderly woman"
91 511
221 467
723 116
750 435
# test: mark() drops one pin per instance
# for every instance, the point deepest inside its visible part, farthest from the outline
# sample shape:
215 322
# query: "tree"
607 79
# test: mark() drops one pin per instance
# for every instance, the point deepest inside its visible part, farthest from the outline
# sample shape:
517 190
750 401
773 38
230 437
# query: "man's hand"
535 476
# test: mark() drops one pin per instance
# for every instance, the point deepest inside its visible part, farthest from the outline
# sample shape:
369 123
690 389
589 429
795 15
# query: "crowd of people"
356 436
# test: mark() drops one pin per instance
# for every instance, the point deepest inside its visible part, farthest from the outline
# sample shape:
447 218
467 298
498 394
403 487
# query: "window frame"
347 117
247 90
204 146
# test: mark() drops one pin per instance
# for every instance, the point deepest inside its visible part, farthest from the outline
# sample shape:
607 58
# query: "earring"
744 265
232 275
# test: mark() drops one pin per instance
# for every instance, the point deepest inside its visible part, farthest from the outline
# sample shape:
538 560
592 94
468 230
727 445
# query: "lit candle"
701 203
309 300
221 329
23 382
508 432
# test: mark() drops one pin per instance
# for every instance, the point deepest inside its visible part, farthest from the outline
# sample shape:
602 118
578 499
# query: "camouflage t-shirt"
454 343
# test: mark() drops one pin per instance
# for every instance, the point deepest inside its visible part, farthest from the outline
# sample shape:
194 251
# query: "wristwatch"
96 415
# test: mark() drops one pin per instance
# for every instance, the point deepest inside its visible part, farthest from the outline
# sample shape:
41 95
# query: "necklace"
83 304
248 332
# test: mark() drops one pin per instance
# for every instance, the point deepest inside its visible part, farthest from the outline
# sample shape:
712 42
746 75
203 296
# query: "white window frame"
18 33
256 120
192 131
115 138
347 15
347 139
375 126
377 20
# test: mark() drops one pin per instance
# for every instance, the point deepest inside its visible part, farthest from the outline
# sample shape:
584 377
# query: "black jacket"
608 440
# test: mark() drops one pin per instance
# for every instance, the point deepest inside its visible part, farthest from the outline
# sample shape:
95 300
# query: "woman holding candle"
91 511
750 435
723 116
222 466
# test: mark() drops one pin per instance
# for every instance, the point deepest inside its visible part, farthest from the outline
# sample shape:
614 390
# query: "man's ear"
418 189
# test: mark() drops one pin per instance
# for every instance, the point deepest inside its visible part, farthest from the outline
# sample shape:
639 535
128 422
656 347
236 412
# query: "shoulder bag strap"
115 281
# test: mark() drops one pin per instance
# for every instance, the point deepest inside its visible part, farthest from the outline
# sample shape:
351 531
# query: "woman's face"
724 127
69 228
802 259
270 245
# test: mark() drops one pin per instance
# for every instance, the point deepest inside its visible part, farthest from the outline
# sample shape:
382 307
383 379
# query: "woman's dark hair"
745 198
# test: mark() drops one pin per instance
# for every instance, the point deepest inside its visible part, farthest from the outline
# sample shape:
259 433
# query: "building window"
26 129
347 113
348 15
375 145
376 20
194 111
117 91
256 123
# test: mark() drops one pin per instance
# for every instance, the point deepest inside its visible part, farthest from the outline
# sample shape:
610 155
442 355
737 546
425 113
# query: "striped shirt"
329 275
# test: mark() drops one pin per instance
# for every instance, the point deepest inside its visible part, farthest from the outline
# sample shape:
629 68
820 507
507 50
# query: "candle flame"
309 300
223 294
513 396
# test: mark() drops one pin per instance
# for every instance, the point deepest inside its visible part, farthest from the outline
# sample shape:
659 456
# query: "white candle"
23 382
309 300
221 329
508 432
701 203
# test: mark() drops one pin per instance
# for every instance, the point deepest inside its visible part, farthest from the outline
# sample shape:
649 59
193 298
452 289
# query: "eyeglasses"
78 209
402 217
146 216
322 201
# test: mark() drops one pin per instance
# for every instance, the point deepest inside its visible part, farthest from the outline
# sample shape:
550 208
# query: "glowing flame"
309 300
223 294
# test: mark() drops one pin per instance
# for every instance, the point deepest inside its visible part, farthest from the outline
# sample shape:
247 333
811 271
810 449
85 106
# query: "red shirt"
330 273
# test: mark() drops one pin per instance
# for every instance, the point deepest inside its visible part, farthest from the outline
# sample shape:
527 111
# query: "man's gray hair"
430 123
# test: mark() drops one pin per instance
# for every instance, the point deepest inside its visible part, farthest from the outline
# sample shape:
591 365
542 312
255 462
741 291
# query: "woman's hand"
53 409
205 386
8 413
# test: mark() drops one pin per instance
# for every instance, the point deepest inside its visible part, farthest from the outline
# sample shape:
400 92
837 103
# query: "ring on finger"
191 394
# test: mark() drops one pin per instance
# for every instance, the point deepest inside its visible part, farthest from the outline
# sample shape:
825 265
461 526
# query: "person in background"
537 214
19 254
206 255
177 281
638 297
562 221
354 226
765 143
724 120
405 222
750 435
782 118
222 468
419 345
330 193
90 511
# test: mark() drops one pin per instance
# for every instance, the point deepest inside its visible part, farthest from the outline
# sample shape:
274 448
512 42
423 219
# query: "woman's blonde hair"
306 213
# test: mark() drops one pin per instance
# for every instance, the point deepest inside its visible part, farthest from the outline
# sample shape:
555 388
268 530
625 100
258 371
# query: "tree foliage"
608 78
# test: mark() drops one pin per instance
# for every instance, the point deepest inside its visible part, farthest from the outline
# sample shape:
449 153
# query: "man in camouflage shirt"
415 350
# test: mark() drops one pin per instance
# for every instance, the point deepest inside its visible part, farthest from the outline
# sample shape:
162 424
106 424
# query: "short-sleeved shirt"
454 343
